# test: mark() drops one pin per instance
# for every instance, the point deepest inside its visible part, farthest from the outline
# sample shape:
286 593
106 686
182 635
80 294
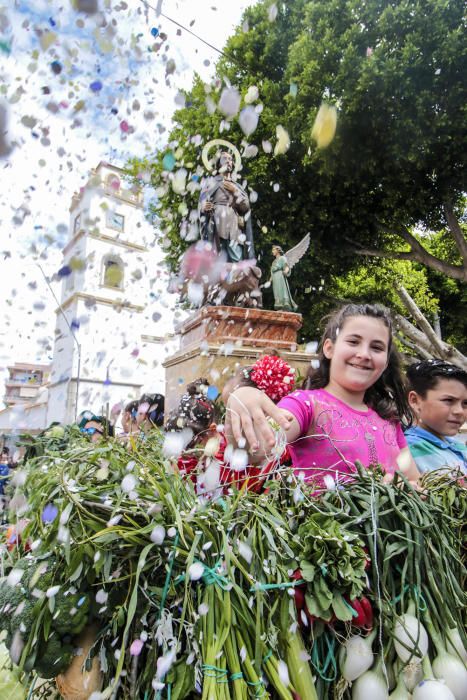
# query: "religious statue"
224 210
280 271
221 268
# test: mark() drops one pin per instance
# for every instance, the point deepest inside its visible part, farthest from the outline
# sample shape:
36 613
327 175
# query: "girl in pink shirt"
349 409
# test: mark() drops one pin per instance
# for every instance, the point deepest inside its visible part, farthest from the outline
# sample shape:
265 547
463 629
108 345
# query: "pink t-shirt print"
335 436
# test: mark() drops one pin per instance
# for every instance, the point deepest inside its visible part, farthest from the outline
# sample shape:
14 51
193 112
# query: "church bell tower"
101 320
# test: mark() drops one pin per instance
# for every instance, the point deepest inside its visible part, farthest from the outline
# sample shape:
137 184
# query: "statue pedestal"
217 340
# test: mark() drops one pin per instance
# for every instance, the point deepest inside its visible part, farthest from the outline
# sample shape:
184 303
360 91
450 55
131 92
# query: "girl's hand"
246 417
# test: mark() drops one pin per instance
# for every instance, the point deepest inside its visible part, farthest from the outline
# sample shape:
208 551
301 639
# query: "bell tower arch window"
112 272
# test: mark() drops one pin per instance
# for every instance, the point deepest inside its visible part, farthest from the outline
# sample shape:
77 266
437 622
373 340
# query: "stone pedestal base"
246 327
217 340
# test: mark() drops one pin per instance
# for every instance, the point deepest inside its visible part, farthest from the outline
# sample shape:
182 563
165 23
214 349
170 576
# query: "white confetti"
283 672
248 120
14 577
101 597
272 12
195 293
229 102
252 94
53 590
195 571
179 181
239 460
128 483
16 648
175 442
245 551
329 482
203 609
158 534
164 663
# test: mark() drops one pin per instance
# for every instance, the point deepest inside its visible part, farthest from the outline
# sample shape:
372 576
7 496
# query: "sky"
77 88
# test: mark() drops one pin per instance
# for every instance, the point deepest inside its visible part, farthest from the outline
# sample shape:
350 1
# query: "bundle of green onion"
194 598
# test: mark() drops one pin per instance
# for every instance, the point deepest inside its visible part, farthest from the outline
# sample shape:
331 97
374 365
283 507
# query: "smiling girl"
349 409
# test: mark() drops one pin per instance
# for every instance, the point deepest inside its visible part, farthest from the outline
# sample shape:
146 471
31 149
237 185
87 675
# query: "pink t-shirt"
335 435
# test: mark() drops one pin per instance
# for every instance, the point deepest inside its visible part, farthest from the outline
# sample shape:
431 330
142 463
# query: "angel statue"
280 270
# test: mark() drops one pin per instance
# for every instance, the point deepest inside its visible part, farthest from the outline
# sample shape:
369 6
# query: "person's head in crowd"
96 427
270 373
194 412
438 396
5 455
130 412
150 412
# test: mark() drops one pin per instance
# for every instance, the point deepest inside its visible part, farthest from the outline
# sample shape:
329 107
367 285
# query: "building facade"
109 344
26 380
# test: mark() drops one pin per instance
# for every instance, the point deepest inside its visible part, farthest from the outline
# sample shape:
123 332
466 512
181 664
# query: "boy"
438 399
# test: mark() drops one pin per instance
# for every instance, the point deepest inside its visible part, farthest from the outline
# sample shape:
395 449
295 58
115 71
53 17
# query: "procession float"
121 581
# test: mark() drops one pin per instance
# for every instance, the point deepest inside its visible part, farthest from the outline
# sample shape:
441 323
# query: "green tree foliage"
395 70
376 283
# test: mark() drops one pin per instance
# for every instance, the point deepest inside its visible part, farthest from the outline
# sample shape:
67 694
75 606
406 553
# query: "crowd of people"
356 406
137 418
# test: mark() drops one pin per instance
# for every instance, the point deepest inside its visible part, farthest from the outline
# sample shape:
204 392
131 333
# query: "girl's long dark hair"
388 395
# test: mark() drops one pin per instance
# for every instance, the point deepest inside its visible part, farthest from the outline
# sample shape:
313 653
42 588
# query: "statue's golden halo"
227 146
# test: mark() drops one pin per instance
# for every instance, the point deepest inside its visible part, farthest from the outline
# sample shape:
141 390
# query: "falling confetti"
158 534
324 127
136 647
96 86
196 571
248 120
252 94
283 141
229 102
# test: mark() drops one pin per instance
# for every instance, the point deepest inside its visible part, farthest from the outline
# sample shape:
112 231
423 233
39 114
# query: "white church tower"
106 335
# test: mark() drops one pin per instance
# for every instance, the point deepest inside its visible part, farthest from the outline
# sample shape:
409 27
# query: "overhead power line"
186 29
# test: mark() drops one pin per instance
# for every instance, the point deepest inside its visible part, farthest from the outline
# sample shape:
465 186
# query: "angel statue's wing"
298 251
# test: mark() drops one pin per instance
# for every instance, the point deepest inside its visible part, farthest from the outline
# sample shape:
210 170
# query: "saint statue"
280 271
225 214
221 268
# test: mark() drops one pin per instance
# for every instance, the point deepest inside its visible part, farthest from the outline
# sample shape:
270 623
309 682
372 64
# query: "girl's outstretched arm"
246 418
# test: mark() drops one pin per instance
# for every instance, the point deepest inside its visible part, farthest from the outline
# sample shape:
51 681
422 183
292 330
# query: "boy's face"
143 409
444 408
94 430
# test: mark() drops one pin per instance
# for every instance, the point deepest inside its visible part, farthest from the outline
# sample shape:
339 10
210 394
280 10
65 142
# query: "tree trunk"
424 339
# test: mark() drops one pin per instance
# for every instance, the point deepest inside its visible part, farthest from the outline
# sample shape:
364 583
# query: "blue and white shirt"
430 452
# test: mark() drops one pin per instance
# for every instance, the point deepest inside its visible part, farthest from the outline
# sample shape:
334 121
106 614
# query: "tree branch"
417 253
377 253
416 336
456 231
424 342
419 318
413 346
